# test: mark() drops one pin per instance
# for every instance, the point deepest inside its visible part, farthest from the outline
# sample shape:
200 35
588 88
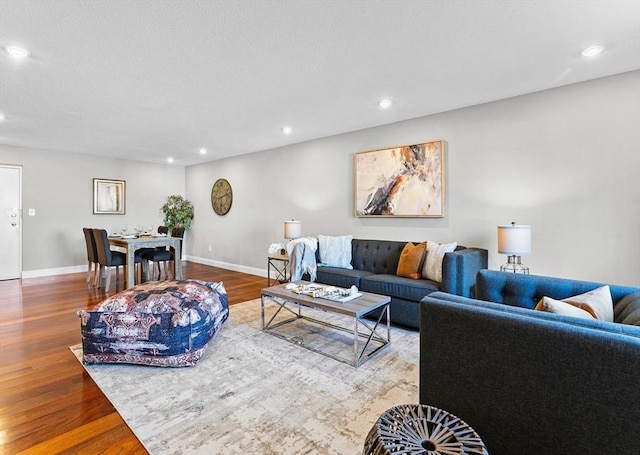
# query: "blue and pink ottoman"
162 323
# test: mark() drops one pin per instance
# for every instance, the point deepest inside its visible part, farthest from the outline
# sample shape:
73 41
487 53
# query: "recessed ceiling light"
203 151
384 103
170 160
592 51
2 117
287 130
17 52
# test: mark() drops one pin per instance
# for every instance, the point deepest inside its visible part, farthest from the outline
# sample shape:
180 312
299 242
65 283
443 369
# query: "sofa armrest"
527 382
459 269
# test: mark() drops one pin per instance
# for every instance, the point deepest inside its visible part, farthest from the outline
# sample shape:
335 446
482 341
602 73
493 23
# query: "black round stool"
415 429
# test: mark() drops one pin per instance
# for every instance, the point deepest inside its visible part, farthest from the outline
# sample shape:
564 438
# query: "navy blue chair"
163 254
108 258
92 256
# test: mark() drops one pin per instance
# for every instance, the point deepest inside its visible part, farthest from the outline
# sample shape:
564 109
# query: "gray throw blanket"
302 257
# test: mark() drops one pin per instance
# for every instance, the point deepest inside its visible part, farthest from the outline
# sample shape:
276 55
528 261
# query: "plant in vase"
178 212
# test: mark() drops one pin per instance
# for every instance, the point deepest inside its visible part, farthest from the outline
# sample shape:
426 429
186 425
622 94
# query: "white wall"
566 161
59 186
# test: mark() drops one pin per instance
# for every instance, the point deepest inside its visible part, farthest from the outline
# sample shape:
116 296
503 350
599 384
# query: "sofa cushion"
411 258
432 269
559 307
397 286
335 251
344 278
377 256
627 310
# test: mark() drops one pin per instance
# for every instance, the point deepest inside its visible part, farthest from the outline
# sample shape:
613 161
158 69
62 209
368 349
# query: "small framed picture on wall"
109 197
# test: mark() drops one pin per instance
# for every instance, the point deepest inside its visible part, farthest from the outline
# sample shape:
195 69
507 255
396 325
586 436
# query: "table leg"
356 356
177 263
131 267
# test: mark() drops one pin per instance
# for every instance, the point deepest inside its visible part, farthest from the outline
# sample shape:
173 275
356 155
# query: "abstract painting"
404 181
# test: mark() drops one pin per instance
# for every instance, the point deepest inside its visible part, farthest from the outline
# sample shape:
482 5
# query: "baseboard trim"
54 271
228 266
199 260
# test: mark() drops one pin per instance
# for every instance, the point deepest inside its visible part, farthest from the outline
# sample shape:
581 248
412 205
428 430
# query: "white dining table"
146 241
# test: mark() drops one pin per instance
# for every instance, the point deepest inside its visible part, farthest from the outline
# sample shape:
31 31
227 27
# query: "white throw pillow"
432 269
550 305
335 251
597 302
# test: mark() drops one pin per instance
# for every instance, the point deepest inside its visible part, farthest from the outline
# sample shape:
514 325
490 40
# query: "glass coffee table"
369 336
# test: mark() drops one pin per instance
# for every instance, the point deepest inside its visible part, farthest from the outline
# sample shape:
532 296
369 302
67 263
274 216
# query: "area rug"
253 393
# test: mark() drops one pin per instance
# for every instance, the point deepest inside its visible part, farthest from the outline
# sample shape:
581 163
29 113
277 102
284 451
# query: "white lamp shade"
514 239
292 229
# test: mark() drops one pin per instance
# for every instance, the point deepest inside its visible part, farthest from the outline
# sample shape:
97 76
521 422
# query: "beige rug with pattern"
253 393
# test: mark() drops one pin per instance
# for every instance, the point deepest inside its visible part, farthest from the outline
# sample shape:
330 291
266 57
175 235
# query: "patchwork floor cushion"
161 323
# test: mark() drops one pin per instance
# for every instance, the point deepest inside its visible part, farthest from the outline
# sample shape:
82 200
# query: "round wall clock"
221 196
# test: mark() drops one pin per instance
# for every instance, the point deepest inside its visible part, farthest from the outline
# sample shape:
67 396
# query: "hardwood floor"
48 403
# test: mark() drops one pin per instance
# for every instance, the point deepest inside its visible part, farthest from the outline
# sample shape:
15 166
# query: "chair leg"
97 279
107 282
144 266
94 271
89 264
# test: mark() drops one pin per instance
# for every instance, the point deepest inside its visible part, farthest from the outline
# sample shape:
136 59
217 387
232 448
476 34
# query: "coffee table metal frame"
369 330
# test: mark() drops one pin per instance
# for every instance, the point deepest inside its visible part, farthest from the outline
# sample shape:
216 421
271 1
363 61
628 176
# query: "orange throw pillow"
411 258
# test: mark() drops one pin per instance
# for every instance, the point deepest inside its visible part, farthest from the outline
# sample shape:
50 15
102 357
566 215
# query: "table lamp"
514 240
292 229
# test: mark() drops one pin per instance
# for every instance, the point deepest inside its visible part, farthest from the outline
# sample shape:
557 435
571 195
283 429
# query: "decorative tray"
320 291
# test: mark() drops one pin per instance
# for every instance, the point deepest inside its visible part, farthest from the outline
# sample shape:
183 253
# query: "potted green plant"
178 212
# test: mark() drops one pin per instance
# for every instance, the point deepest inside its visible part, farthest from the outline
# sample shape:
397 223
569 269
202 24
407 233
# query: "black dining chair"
92 256
107 258
161 230
163 254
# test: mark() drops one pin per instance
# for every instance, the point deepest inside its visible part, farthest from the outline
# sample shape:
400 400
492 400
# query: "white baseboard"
199 260
228 266
55 271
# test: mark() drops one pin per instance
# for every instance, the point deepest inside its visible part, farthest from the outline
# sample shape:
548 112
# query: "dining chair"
161 230
164 255
107 258
92 255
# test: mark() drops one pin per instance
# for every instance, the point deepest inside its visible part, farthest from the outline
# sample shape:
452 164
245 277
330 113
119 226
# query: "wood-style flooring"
48 403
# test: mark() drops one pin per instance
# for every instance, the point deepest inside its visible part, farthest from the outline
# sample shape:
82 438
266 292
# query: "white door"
10 222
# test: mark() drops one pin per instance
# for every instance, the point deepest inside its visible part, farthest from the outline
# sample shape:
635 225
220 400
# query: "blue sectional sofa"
531 382
375 263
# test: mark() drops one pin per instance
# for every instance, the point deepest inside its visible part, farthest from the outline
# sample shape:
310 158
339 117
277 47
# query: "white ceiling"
149 79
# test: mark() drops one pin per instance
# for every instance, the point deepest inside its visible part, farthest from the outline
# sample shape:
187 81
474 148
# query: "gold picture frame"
402 181
109 197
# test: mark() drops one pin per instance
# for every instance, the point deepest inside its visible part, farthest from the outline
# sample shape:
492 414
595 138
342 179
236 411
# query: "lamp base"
514 265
